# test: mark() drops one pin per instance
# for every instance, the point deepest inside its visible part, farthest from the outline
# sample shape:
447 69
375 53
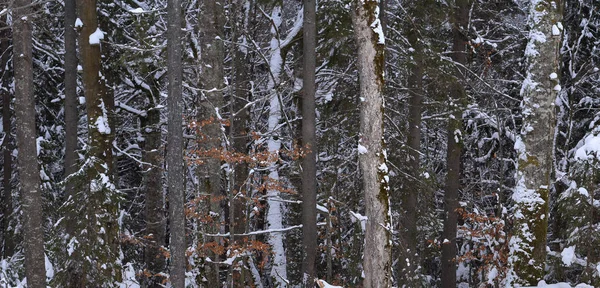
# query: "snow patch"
568 255
362 149
96 37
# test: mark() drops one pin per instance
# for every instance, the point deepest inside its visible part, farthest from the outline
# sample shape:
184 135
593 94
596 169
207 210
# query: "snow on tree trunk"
369 36
534 144
275 211
27 164
100 236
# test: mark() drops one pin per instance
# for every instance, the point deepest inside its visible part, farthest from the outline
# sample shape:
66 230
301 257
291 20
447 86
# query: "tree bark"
29 172
368 32
211 23
7 245
175 147
535 144
309 163
460 21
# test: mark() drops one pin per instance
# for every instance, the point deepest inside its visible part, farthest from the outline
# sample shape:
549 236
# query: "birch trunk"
369 36
27 165
534 145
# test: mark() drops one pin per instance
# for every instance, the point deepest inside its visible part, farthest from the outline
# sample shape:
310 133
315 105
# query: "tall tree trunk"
309 163
175 146
7 245
71 119
101 235
460 20
29 172
410 260
211 23
534 145
369 36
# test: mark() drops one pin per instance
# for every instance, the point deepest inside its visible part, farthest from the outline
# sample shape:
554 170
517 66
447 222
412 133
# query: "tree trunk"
102 231
377 262
534 145
239 134
175 146
71 119
27 165
460 20
211 23
309 163
7 245
155 204
410 260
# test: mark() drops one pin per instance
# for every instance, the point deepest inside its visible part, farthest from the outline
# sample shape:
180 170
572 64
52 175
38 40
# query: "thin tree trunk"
71 118
8 245
29 172
369 36
309 163
175 146
410 260
155 204
239 134
535 143
460 18
212 15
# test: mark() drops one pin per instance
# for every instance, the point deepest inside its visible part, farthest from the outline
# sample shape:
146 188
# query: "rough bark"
460 18
174 160
7 245
534 145
309 163
27 165
377 263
